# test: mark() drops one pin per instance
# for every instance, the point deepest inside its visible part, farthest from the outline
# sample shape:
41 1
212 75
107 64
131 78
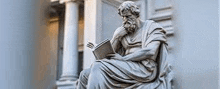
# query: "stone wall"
196 49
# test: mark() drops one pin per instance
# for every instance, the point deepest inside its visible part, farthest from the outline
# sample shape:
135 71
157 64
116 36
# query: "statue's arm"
150 52
116 39
115 44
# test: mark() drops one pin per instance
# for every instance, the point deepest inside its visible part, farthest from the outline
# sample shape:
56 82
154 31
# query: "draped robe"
144 74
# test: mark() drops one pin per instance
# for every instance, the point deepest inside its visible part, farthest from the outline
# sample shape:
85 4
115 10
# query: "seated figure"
140 58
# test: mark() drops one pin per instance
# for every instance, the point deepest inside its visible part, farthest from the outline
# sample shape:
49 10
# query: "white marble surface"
92 29
70 55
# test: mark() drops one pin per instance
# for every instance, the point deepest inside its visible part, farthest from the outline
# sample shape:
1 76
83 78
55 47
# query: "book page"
103 49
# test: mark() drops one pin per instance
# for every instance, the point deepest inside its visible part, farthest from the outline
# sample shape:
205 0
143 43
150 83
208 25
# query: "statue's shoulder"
153 23
149 21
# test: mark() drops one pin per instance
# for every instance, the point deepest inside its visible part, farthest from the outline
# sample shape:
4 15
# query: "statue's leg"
83 79
96 78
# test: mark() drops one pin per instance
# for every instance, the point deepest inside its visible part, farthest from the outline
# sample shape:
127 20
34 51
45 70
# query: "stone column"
70 51
23 24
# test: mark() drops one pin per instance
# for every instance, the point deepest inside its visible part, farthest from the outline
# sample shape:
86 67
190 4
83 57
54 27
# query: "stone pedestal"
66 84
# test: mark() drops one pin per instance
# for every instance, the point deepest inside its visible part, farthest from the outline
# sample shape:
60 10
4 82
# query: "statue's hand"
120 32
115 56
90 45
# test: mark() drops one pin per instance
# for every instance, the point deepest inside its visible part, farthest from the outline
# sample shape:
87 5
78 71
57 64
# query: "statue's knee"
84 73
97 66
81 74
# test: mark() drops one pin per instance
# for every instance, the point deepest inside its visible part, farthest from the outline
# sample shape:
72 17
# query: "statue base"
66 84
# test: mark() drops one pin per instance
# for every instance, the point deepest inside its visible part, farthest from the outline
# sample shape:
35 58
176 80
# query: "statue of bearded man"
140 59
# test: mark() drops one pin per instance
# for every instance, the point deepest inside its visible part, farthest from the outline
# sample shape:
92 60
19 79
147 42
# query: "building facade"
184 24
44 42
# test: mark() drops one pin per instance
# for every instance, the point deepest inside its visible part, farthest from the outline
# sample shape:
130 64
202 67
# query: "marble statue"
140 58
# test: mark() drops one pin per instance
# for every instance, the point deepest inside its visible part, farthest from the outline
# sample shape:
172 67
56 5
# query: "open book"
103 49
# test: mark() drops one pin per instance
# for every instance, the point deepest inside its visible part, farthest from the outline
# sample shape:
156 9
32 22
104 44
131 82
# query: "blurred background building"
43 42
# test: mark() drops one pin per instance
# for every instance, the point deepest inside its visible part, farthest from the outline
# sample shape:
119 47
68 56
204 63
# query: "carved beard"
130 26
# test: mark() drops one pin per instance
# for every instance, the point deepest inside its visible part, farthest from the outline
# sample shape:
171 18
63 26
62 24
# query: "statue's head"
130 13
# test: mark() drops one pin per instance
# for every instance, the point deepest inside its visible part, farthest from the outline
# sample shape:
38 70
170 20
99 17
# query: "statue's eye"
128 16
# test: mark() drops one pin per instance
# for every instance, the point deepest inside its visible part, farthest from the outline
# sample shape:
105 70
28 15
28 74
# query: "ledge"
66 84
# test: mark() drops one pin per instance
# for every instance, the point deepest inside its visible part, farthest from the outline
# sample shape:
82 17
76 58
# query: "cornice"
64 1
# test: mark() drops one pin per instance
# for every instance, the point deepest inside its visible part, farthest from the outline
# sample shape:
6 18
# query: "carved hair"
130 6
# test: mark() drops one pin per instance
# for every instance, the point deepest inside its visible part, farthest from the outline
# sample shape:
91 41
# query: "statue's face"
129 21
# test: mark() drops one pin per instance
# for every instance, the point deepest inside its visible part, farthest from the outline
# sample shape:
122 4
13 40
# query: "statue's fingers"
90 44
87 45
